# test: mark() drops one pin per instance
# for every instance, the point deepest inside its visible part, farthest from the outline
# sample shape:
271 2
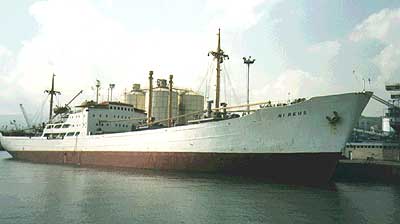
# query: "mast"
150 103
170 121
52 93
219 56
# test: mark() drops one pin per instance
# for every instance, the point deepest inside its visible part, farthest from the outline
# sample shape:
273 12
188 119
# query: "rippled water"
37 193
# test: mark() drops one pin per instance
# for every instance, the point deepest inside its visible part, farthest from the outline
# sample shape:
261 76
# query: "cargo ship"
292 142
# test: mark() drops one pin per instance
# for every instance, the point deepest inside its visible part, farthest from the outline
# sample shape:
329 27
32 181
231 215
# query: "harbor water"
40 193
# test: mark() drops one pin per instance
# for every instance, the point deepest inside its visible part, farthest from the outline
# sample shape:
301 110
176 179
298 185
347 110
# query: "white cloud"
388 62
383 26
237 14
5 60
295 83
328 49
323 55
80 44
6 65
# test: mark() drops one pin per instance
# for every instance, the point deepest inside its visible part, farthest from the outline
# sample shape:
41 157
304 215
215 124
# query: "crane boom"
380 100
65 109
80 92
28 123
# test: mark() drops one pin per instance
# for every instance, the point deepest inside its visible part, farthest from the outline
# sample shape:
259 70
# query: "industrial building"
372 151
184 102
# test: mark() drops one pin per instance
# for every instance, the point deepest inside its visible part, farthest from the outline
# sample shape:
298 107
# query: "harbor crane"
380 100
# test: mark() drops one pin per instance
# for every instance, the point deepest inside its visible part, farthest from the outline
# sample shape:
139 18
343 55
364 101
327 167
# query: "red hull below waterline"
296 167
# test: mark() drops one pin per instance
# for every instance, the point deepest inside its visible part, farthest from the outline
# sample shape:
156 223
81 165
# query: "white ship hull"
267 139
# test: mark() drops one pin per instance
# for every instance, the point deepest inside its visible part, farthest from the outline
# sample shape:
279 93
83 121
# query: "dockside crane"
382 101
393 111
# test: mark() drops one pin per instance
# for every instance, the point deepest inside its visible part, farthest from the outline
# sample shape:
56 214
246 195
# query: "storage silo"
136 97
160 102
386 125
190 102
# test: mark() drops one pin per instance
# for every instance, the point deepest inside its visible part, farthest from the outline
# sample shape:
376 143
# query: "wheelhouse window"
57 126
66 126
70 134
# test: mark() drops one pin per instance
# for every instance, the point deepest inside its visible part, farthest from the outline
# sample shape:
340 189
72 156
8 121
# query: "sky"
302 48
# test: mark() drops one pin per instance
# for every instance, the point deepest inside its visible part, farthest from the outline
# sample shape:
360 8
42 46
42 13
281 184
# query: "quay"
368 170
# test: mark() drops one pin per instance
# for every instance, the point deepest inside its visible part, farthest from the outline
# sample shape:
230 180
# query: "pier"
368 170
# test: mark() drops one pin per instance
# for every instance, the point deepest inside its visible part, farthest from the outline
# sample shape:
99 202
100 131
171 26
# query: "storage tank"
386 125
136 97
160 102
190 102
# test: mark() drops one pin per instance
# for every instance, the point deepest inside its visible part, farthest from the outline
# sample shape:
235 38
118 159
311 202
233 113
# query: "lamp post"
111 89
248 62
98 85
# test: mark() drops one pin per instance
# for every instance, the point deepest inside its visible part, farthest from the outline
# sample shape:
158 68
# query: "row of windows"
61 135
62 126
115 116
292 114
121 108
58 126
370 146
116 125
76 116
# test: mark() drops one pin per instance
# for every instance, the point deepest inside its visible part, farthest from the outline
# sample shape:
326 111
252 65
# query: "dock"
368 170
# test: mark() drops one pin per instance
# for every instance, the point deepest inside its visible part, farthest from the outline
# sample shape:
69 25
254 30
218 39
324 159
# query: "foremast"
219 55
52 93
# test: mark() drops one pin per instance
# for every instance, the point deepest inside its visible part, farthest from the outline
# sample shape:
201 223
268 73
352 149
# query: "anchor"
333 119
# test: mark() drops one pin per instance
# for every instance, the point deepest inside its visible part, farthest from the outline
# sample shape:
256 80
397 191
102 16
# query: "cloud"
80 43
328 49
294 83
322 56
383 26
388 62
7 62
237 14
